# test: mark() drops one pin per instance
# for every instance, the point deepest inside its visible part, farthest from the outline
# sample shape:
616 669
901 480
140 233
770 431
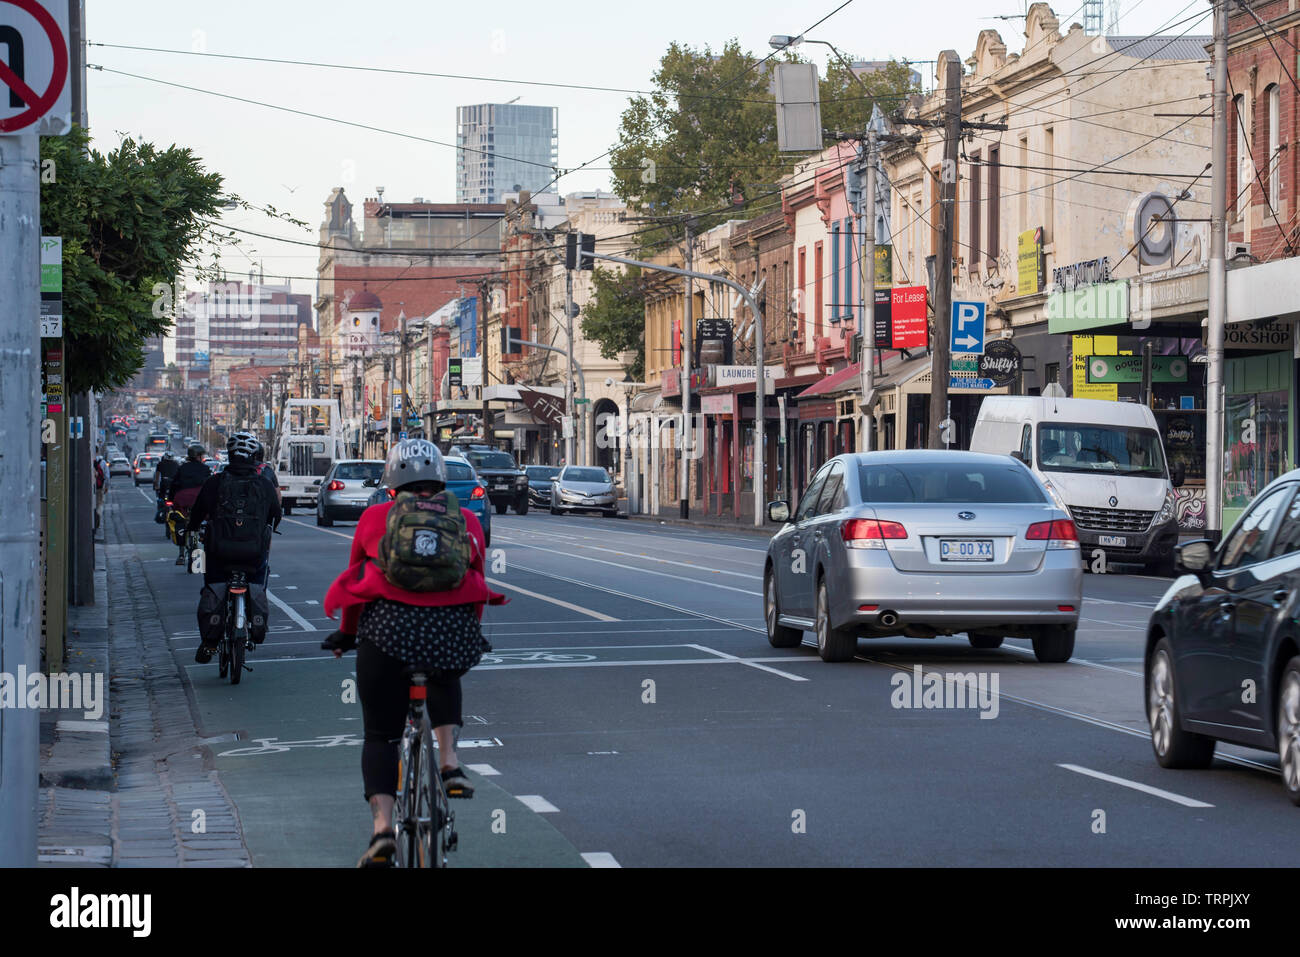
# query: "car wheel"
1163 567
521 507
286 508
487 538
324 520
778 635
986 642
1288 729
1174 747
554 510
612 513
834 644
1054 644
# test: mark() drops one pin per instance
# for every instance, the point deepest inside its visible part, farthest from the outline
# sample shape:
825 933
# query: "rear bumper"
957 601
342 511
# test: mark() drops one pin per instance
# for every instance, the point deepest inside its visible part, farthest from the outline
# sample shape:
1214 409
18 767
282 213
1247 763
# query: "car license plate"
1117 540
966 549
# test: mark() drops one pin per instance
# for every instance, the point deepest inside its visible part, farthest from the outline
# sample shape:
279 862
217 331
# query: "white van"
1105 461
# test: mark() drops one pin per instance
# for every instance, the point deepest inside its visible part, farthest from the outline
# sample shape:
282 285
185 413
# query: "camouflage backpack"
426 546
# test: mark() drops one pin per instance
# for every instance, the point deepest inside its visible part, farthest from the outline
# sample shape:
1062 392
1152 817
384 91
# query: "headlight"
1167 510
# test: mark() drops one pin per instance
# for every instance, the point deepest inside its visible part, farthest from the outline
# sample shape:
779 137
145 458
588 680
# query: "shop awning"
843 381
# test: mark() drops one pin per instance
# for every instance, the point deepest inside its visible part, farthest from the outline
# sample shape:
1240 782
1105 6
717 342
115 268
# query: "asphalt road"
633 714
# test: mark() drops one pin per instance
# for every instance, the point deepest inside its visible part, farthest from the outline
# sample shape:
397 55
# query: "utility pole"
20 431
571 432
940 360
867 293
688 336
406 392
1218 281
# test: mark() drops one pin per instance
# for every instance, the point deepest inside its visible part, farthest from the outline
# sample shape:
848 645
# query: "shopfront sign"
724 404
884 323
884 265
734 375
1129 369
1089 307
1271 334
1030 262
1084 347
1090 272
1001 362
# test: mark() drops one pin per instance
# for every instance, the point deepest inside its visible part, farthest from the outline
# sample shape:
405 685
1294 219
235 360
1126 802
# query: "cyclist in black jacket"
183 489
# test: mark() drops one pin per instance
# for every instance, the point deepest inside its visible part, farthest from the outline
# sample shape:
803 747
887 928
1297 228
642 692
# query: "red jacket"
363 581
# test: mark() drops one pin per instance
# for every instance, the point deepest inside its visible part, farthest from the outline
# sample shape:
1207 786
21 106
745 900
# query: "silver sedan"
922 544
581 488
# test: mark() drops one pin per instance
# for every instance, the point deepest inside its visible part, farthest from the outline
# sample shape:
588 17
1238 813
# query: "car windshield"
459 472
1113 450
359 471
543 472
492 460
586 475
956 482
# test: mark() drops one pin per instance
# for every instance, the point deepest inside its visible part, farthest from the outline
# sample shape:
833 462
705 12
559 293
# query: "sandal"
456 783
382 850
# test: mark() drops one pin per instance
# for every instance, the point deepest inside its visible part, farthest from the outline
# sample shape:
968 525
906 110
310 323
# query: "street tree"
614 316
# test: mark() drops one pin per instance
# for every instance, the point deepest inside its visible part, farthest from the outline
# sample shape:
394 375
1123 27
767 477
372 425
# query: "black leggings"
383 686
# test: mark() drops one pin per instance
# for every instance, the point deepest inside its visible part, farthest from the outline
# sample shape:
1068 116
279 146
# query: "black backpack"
238 533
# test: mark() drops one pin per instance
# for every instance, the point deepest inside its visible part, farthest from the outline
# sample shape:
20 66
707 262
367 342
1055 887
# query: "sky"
291 162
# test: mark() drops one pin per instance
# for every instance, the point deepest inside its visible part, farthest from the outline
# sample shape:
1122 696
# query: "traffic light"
578 251
510 341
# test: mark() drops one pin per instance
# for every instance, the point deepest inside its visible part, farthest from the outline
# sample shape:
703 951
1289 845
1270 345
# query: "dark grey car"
343 493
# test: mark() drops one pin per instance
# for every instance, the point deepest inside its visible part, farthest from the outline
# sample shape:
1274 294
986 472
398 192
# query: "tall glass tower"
503 147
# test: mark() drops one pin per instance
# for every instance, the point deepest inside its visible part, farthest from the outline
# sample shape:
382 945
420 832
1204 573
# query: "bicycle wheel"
432 811
237 648
403 814
223 657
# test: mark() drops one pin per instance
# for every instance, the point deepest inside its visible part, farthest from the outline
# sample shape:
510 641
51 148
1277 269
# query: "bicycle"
237 640
423 822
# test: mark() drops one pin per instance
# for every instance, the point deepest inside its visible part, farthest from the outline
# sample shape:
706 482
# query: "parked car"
146 463
344 492
921 544
507 485
1223 645
470 490
1105 460
539 483
118 464
583 488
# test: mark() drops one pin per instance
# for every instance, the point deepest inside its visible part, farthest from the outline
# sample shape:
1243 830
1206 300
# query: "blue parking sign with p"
967 333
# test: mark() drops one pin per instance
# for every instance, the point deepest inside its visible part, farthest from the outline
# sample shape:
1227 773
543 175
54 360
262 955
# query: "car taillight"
1059 533
477 493
392 493
870 532
335 486
169 504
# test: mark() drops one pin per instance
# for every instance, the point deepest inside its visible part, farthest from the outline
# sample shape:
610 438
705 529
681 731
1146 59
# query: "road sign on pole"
35 95
967 328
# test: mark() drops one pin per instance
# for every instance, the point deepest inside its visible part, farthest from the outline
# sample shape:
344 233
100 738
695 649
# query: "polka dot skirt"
434 637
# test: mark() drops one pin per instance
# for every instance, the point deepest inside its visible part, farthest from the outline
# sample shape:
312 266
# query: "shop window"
1256 431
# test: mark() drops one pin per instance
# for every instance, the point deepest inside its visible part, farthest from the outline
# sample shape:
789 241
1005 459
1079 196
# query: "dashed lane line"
535 802
1136 786
600 859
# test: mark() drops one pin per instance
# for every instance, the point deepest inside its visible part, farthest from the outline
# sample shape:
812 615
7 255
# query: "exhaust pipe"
889 618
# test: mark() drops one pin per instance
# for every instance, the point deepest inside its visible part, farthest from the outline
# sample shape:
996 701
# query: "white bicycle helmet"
243 447
414 460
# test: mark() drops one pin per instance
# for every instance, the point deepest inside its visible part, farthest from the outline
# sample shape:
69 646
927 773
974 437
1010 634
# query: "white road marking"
535 802
599 616
663 561
1136 786
300 621
484 769
600 859
295 587
750 663
641 571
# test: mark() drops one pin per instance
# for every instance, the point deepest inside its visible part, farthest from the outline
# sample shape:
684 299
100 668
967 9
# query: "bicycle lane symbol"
276 746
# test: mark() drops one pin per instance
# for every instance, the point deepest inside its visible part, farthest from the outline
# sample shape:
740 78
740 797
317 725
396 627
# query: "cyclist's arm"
203 504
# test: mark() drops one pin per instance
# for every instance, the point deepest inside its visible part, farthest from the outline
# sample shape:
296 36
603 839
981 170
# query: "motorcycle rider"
239 483
184 487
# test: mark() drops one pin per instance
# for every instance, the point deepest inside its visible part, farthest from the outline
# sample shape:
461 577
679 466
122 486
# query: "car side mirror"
778 512
1178 476
1194 557
1018 456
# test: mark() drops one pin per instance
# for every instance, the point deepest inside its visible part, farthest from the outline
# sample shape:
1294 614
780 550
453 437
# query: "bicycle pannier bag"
258 612
212 613
238 533
426 546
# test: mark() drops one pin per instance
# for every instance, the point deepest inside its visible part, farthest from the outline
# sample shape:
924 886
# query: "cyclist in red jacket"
394 630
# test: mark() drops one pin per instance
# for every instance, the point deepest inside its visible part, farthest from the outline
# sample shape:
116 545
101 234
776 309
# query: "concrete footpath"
134 786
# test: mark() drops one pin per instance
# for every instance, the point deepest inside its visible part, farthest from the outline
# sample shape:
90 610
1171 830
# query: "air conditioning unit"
1238 249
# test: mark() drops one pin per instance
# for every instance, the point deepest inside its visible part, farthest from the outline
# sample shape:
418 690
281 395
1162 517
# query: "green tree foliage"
705 142
130 218
614 317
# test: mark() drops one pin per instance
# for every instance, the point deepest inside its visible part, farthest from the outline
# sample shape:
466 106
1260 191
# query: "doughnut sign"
34 87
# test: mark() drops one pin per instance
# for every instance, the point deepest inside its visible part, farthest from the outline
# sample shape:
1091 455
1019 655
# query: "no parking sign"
34 87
